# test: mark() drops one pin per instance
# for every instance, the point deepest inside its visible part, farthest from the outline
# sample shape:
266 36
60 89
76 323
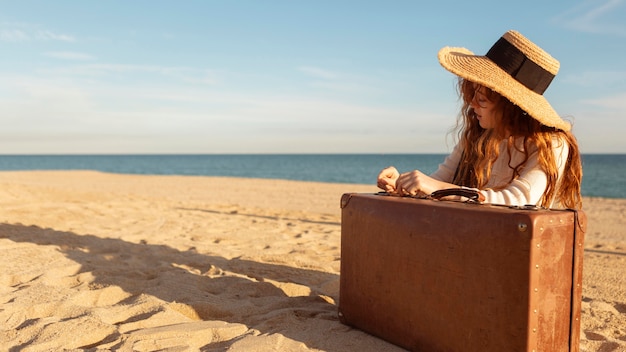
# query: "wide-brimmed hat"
514 67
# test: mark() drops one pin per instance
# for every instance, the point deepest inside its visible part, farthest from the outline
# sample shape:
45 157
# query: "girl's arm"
529 187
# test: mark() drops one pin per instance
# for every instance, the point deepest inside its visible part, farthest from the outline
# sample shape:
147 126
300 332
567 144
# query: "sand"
101 261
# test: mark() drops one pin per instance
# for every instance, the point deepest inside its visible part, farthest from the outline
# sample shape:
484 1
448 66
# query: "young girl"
513 147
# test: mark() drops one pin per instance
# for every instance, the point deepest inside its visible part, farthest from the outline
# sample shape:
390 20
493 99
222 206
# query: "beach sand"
101 261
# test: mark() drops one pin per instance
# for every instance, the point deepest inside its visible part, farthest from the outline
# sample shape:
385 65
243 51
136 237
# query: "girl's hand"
387 179
415 182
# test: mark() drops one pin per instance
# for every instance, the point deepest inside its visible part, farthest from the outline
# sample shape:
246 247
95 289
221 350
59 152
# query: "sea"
604 175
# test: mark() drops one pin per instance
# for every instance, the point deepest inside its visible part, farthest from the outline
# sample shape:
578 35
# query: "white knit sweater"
526 189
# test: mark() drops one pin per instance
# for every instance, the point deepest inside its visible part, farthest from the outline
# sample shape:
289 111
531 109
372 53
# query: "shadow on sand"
197 280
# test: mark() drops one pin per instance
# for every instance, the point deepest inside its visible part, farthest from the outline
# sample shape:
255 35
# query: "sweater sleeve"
528 188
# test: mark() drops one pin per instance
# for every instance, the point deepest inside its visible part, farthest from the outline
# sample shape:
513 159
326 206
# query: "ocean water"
604 174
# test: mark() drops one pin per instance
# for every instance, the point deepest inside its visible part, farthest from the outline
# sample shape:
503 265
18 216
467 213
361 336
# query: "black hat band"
519 66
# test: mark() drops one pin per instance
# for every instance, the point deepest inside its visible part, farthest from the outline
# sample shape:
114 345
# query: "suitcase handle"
471 194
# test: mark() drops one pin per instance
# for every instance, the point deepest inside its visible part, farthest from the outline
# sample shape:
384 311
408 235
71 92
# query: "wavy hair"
482 147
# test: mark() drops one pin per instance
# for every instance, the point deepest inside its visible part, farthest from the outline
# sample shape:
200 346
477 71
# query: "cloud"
317 72
13 35
330 81
178 73
19 35
49 35
65 106
595 78
68 55
596 17
615 102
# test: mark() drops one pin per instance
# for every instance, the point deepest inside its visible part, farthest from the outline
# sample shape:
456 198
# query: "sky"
265 76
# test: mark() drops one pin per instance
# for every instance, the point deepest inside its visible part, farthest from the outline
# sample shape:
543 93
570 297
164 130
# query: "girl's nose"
474 103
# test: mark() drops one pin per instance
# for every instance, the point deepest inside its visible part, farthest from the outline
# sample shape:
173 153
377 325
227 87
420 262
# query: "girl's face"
484 108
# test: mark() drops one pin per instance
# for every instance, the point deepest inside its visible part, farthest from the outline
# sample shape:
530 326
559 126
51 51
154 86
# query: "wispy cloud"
615 102
317 72
596 78
17 35
57 102
13 35
179 73
604 17
49 35
68 55
328 80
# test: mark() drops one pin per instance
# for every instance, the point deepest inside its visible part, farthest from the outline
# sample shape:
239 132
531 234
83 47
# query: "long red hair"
482 147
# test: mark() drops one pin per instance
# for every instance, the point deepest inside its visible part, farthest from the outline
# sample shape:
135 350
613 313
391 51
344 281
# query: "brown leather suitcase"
431 275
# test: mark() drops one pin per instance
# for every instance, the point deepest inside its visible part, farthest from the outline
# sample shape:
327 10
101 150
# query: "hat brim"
480 69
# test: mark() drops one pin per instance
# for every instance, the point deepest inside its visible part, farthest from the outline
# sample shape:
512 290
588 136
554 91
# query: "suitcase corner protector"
341 317
345 199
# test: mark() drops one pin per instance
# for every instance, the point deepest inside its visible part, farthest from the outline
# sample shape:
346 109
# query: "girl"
513 148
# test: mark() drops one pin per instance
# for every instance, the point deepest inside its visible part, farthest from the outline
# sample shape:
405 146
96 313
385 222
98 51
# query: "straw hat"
516 68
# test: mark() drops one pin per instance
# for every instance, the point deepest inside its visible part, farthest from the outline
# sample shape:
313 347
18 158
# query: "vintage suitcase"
432 275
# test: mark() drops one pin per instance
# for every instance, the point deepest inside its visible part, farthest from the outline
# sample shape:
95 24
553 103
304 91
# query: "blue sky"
284 76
